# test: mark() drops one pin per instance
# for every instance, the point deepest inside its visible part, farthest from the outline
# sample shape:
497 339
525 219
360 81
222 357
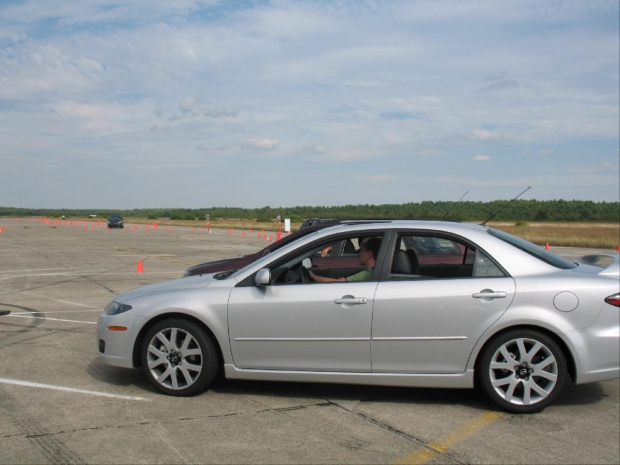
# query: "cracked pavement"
56 279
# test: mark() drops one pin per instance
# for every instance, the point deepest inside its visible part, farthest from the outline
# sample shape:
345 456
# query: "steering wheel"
304 275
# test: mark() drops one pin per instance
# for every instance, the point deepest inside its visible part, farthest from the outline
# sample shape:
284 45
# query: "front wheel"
523 371
179 358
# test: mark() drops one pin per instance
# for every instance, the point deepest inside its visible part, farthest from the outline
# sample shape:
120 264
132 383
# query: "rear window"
533 249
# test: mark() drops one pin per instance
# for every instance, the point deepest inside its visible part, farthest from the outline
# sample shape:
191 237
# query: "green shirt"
363 275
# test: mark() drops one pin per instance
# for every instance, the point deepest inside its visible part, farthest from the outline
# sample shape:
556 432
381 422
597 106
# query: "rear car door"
428 322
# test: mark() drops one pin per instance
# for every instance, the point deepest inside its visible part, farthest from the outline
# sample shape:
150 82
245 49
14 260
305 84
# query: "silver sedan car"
446 305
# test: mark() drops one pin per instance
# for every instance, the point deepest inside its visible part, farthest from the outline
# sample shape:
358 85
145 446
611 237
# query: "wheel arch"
137 348
570 360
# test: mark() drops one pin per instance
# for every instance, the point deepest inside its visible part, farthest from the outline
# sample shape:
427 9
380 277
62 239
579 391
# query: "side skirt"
463 380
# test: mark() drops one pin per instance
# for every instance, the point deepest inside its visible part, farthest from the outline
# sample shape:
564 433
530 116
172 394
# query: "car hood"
183 284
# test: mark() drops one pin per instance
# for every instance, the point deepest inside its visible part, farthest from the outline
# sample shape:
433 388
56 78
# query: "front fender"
210 313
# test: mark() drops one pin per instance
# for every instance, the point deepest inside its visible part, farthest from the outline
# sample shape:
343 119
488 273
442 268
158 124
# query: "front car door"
290 325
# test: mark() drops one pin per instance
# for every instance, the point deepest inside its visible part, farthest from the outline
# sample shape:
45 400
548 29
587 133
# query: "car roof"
369 224
432 223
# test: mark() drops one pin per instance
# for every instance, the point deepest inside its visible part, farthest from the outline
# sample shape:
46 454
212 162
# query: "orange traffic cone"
547 246
140 268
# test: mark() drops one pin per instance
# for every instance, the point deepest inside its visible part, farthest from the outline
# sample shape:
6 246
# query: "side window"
350 247
483 266
333 259
437 257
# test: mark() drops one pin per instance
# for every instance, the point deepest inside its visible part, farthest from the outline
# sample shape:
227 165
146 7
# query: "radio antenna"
493 215
454 206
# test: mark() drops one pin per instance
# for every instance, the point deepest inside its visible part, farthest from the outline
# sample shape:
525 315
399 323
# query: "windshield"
267 253
259 260
533 249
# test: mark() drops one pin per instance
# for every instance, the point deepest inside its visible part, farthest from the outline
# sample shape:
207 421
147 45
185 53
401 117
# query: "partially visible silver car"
448 305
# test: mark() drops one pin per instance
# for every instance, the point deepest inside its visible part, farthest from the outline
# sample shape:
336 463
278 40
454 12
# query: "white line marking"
28 271
77 305
34 317
86 273
90 274
54 312
16 382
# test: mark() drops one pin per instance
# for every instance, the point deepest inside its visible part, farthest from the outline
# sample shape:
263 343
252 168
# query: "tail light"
613 300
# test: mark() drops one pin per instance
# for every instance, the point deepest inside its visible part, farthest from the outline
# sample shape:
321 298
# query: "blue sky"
200 103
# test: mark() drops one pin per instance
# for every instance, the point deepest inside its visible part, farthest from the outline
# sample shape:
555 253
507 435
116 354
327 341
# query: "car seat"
413 260
401 263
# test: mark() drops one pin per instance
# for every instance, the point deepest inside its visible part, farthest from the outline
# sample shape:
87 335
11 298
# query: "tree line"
519 210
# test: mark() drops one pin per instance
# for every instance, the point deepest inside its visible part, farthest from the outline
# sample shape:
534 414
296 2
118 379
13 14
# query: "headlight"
114 308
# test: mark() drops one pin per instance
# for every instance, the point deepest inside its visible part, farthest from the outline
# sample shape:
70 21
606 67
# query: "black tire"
522 371
179 358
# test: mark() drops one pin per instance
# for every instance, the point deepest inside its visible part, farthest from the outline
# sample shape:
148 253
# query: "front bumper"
116 346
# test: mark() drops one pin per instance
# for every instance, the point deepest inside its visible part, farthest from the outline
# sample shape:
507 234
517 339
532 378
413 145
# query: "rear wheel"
179 358
523 371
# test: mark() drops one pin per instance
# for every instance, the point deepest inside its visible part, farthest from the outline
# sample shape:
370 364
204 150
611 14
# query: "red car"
236 263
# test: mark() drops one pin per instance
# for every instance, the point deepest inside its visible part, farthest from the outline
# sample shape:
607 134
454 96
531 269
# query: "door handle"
489 294
350 300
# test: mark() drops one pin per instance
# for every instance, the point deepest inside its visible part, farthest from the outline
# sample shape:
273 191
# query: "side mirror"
263 277
306 263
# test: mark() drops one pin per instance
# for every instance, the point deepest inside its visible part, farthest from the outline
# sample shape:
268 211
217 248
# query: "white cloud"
317 149
537 182
376 178
187 105
428 152
483 134
265 144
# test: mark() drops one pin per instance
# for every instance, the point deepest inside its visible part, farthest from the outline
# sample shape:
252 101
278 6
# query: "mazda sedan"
446 305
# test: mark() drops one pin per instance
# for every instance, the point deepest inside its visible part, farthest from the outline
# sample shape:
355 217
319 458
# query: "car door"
429 324
297 326
308 327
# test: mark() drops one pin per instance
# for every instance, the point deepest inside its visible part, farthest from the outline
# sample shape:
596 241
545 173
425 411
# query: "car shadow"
346 393
116 376
582 394
572 395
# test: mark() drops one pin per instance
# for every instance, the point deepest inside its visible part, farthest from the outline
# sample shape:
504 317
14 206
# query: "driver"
367 255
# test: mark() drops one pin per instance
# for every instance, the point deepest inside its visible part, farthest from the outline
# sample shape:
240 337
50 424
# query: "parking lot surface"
60 404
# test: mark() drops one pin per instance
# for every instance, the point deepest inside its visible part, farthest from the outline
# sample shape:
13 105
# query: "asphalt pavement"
60 404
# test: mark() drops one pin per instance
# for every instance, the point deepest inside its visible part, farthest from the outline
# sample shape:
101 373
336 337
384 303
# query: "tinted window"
436 257
533 249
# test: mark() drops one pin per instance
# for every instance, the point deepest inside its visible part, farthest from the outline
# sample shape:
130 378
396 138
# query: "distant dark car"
116 221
